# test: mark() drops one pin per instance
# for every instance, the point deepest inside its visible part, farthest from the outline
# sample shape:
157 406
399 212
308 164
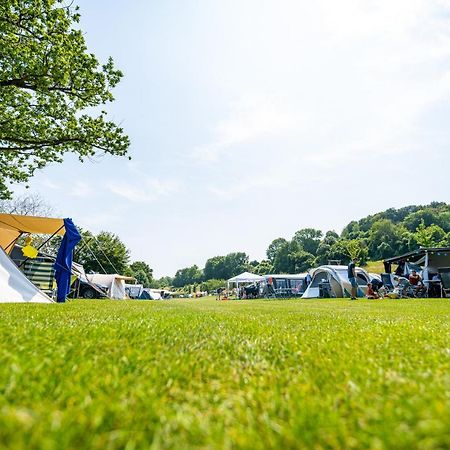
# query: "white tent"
113 282
15 286
337 277
245 277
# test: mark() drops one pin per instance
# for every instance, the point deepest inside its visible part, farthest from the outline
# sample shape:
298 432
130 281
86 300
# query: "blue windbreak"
63 263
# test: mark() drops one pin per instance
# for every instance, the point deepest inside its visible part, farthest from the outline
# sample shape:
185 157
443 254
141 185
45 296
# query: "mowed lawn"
238 374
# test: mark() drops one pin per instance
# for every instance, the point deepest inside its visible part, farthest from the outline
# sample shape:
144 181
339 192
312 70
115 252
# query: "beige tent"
113 282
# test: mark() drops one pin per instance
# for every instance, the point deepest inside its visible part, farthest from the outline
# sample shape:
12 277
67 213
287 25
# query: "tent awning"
416 254
246 277
13 225
108 278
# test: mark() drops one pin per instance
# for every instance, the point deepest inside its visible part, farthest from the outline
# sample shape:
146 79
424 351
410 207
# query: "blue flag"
63 263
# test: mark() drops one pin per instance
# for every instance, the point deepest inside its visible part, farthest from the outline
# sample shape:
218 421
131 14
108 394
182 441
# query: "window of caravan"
296 284
280 283
318 278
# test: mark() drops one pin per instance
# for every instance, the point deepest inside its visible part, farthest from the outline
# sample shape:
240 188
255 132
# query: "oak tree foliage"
51 89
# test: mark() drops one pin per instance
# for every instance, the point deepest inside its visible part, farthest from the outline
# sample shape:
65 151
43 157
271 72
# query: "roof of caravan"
417 253
287 275
337 269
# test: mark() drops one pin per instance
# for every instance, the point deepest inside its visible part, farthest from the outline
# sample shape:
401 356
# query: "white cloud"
47 183
252 117
145 192
98 221
236 189
81 189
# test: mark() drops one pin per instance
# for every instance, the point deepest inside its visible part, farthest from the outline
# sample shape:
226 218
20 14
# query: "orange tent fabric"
13 225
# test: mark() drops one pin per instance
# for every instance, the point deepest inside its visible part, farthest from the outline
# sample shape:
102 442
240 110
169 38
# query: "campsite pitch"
207 374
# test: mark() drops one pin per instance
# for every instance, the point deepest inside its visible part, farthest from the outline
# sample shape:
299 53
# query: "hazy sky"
251 119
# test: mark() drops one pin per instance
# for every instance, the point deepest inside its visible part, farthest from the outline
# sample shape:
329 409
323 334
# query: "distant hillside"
396 231
436 213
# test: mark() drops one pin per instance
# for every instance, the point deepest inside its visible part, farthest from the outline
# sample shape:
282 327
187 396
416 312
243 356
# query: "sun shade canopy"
246 277
416 255
13 225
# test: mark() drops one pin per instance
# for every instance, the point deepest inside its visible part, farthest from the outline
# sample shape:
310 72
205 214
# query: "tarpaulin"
63 263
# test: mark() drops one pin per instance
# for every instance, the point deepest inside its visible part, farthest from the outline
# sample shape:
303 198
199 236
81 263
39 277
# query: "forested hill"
395 231
436 213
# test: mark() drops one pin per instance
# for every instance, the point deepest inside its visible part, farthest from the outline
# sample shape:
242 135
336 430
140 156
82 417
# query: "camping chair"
41 274
271 291
404 289
445 281
386 279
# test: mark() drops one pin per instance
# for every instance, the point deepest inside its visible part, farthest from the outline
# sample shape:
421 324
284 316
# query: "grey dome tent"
338 281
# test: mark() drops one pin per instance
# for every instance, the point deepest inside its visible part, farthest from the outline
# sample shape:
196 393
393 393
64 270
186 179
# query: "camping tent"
150 294
12 226
113 282
133 290
336 277
245 277
15 286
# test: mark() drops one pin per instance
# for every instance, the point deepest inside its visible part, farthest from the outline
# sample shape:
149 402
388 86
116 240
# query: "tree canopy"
224 267
48 81
188 275
102 253
142 272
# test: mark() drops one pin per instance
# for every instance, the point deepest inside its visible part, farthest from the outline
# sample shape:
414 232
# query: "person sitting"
400 286
416 282
376 284
435 286
370 292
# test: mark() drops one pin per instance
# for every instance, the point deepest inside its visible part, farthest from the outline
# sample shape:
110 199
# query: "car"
87 290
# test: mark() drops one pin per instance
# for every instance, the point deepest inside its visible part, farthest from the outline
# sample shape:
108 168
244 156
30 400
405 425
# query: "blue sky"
252 119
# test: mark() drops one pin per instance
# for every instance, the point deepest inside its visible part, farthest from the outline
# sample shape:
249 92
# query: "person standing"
351 269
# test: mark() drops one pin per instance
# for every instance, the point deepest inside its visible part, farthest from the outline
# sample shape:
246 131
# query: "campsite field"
243 374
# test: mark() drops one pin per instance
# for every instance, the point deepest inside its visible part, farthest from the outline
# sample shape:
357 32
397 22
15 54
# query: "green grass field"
244 374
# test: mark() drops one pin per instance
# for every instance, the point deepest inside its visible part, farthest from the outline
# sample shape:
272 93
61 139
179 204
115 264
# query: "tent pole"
425 274
52 236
